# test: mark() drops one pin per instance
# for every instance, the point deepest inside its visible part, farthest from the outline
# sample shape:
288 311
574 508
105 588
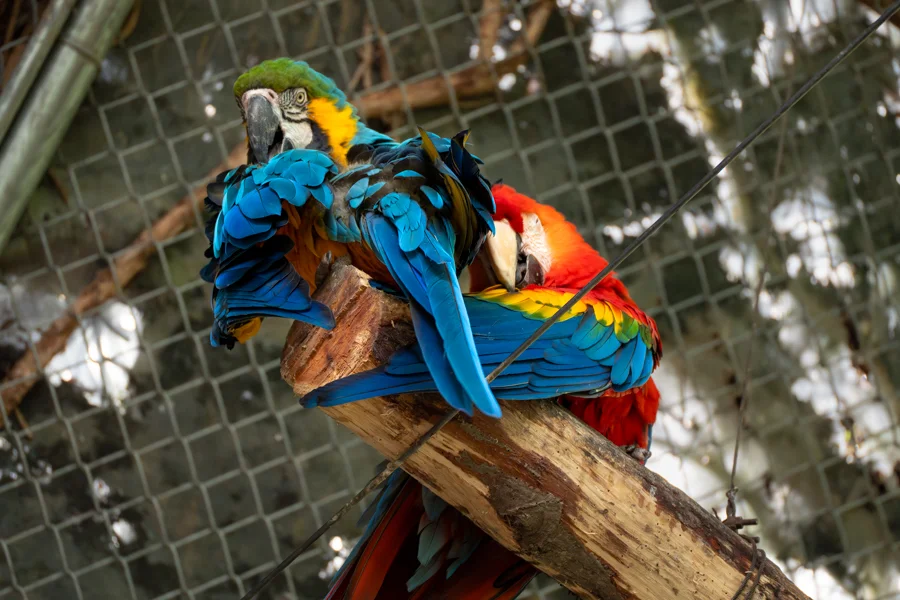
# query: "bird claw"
637 453
327 265
323 269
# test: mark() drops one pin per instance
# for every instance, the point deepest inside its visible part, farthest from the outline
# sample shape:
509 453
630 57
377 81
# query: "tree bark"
538 480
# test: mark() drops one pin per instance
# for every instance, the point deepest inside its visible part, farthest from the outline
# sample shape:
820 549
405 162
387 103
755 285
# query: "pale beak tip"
503 250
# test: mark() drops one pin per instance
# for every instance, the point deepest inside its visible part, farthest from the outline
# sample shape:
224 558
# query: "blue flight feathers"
253 281
563 361
426 275
260 282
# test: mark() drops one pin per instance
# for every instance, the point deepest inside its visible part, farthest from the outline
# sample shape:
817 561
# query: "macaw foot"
327 264
637 453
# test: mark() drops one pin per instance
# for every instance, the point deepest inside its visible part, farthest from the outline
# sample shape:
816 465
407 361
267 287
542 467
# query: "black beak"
263 126
529 272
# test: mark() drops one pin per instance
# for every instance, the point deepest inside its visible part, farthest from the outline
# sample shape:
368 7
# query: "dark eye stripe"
293 111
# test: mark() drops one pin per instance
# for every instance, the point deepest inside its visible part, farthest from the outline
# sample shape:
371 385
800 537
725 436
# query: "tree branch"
878 6
492 14
472 82
539 481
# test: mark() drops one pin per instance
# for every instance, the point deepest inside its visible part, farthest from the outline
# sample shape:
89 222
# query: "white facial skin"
534 241
504 249
291 109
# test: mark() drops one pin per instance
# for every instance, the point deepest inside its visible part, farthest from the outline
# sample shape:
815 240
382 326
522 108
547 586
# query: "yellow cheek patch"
247 330
339 124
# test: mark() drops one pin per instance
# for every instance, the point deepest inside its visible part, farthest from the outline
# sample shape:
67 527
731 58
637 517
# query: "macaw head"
535 244
287 104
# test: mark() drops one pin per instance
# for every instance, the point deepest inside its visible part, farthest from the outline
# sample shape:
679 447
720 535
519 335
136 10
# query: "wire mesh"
145 464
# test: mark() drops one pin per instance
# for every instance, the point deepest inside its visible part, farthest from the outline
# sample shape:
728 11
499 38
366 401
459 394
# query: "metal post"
51 103
29 66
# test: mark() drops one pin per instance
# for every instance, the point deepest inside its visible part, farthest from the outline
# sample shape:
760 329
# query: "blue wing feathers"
554 365
408 173
442 379
622 366
433 196
636 364
356 193
373 189
251 209
323 194
274 290
606 345
437 308
254 281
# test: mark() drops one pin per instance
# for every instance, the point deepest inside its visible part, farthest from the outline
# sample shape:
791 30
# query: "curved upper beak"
263 125
503 251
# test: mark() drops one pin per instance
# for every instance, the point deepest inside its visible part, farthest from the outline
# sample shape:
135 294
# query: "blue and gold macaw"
411 214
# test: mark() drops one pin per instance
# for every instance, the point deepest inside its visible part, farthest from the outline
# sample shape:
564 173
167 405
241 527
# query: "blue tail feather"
439 314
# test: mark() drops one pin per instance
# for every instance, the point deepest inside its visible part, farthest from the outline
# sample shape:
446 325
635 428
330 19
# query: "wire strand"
634 245
760 286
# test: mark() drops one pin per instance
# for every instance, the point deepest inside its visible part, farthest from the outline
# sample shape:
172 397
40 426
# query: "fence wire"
148 465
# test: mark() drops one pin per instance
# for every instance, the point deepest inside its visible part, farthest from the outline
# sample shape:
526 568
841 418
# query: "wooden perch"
538 480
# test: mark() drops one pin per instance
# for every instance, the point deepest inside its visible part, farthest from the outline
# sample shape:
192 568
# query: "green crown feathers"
283 73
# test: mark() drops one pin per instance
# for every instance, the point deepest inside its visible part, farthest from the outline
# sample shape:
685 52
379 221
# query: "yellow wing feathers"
538 304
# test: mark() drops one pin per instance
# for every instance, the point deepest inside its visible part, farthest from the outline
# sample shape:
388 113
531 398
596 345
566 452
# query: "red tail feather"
491 573
388 560
374 572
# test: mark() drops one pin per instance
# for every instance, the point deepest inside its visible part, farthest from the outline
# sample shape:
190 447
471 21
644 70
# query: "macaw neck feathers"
339 124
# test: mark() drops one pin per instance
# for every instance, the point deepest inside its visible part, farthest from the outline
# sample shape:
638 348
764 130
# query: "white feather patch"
534 240
300 134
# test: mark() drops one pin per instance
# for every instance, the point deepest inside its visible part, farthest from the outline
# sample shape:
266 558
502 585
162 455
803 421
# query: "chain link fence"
145 464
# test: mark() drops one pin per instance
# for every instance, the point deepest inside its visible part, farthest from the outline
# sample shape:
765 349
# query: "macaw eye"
301 98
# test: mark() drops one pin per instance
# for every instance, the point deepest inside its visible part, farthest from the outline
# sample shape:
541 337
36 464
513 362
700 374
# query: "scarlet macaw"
415 545
412 215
